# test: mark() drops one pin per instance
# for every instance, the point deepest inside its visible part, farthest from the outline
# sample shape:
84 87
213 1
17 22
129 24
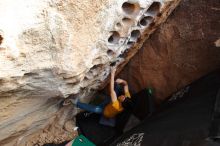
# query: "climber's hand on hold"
113 63
113 70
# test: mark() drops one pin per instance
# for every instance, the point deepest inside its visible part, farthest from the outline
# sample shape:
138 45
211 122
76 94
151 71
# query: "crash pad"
82 141
90 127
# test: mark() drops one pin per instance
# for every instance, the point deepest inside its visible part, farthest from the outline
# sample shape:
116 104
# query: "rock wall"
51 49
182 50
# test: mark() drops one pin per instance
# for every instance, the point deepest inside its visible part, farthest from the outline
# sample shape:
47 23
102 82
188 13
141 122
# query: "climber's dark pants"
99 108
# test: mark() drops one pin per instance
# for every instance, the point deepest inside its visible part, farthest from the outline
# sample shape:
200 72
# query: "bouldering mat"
82 141
144 104
89 126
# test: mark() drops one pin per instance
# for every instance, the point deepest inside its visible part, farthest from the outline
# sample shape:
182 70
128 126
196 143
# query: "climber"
110 107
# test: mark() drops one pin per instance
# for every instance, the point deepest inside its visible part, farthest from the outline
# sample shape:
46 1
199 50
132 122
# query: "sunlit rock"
51 49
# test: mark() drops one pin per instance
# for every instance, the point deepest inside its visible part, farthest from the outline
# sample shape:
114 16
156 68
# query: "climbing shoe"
149 91
69 102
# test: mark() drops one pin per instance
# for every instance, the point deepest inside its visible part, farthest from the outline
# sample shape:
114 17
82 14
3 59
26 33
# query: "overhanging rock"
51 49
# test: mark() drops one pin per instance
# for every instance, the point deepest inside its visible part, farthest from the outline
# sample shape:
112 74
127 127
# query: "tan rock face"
51 49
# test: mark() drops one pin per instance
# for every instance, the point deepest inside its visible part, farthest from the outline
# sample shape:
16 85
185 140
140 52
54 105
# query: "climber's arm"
112 91
125 84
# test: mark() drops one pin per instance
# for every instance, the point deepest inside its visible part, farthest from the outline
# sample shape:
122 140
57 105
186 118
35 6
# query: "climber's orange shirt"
114 108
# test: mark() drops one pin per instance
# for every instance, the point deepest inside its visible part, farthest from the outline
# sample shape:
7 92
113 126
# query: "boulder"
182 50
53 49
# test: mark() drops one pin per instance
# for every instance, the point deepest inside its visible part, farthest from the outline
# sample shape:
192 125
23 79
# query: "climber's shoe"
69 101
150 91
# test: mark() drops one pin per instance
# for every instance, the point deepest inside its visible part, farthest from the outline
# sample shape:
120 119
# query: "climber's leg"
89 107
